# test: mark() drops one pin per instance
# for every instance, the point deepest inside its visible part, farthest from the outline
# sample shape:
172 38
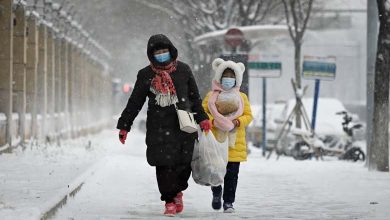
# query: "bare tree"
297 16
380 143
253 12
201 16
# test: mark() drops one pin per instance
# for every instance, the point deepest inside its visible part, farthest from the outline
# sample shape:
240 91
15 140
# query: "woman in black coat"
166 82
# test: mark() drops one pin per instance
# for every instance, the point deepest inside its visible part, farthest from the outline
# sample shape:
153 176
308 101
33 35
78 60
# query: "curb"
62 198
51 213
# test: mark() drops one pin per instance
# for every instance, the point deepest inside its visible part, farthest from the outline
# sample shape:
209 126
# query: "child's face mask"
228 83
163 57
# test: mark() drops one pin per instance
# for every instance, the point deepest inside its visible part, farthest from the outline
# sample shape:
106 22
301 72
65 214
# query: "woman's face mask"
228 83
163 57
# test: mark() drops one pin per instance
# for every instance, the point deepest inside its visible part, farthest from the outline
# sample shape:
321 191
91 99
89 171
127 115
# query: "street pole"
264 130
315 104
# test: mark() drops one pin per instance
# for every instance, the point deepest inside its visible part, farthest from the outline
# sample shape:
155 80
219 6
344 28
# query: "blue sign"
322 68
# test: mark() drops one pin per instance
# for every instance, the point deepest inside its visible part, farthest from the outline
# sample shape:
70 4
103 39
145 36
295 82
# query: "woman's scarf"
220 121
162 84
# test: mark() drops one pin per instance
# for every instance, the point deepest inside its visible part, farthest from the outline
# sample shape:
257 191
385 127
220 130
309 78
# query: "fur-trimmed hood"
219 65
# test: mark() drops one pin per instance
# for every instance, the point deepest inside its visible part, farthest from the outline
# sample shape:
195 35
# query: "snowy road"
124 187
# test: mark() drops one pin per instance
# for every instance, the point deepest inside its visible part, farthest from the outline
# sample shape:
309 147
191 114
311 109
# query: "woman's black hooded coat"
166 144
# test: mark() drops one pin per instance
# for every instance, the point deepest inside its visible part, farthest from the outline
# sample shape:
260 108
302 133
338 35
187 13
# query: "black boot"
217 194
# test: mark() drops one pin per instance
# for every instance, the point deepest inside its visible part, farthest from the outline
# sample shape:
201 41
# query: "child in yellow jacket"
230 112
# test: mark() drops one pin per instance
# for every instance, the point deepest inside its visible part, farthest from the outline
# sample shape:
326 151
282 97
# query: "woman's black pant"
230 183
172 180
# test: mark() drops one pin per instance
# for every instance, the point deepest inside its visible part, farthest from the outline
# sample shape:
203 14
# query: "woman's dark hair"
160 47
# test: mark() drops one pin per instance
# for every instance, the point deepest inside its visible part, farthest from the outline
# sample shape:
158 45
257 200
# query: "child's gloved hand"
122 136
205 125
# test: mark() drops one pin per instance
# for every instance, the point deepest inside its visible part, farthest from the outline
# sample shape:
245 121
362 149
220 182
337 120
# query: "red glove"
122 136
205 125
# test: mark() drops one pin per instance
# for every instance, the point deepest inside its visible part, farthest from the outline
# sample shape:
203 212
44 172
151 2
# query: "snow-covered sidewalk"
36 179
119 184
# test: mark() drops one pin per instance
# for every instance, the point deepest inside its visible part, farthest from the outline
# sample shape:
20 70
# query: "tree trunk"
372 37
297 63
380 143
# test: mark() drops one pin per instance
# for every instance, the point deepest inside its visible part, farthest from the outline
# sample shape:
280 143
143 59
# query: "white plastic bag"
209 160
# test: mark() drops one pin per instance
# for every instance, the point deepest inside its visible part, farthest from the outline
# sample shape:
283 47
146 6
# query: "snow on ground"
31 181
285 189
123 185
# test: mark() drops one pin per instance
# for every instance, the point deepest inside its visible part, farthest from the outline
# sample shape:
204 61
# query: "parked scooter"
344 147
